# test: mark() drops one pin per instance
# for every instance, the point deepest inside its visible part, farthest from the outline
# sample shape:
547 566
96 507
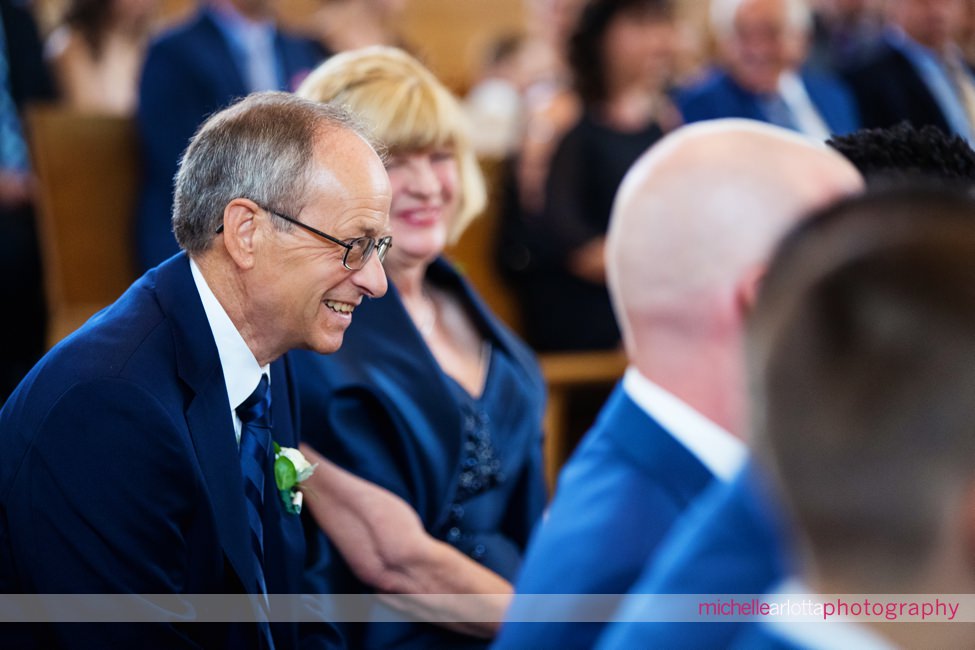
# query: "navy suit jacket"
889 90
382 408
617 497
719 96
189 74
121 474
731 541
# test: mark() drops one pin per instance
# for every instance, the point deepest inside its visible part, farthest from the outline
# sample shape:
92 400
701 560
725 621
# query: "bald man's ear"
239 231
746 293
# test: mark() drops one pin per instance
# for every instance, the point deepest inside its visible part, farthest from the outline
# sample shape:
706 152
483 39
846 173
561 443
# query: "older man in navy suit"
762 74
228 49
138 453
683 265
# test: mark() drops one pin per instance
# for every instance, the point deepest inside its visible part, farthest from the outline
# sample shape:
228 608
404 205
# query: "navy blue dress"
471 467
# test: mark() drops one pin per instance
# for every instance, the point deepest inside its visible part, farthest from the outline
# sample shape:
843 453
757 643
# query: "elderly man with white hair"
683 264
762 48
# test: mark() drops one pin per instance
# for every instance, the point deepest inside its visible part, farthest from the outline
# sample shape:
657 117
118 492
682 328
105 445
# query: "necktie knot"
256 409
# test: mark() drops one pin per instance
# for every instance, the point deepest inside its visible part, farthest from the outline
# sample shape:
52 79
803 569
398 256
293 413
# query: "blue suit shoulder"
715 96
617 497
729 542
718 95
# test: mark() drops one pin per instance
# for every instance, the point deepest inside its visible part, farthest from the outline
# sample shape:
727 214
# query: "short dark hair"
586 42
903 152
862 367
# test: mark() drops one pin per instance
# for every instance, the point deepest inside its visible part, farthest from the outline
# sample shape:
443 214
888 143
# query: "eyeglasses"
357 251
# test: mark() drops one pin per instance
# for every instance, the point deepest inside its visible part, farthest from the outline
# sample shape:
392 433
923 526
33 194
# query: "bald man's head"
698 215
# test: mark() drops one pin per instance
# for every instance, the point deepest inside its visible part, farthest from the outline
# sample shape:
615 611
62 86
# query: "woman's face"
426 195
639 48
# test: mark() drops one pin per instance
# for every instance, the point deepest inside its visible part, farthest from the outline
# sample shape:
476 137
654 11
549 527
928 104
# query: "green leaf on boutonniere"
285 474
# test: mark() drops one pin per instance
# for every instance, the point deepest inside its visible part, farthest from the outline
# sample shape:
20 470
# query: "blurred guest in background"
23 79
551 108
845 33
98 51
691 230
227 49
431 397
496 104
350 24
622 57
918 73
760 73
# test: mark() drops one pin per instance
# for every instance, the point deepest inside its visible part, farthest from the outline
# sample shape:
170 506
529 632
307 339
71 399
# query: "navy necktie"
255 447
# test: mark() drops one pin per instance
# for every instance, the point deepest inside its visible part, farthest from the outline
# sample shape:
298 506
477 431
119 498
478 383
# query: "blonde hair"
407 109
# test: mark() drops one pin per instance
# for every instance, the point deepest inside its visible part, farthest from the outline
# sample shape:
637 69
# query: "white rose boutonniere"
290 469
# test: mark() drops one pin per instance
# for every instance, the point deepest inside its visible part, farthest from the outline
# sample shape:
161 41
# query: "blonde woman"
430 397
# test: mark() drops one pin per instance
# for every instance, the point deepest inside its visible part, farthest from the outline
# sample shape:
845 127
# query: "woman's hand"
385 544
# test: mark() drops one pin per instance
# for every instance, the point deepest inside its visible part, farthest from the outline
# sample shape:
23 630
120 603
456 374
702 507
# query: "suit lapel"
651 447
208 411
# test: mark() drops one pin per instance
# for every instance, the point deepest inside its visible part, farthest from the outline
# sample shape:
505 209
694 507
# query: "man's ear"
746 292
240 231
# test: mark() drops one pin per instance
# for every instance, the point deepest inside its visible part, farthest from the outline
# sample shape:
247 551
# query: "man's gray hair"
261 148
798 14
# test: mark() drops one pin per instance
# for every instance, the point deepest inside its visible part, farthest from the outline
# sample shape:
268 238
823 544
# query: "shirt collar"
240 370
809 121
722 453
839 632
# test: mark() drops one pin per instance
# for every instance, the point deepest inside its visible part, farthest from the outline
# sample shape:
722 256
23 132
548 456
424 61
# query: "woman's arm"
384 543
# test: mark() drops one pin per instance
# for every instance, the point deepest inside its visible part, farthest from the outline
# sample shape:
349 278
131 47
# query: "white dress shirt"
717 449
241 373
807 116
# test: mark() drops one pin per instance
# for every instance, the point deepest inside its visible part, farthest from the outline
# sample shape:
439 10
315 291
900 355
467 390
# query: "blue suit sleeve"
98 503
571 553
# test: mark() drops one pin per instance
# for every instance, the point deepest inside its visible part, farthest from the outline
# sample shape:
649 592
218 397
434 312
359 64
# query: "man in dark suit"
228 49
917 73
136 454
867 429
761 75
682 268
23 79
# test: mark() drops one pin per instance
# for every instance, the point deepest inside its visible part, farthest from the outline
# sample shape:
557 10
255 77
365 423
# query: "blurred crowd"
568 101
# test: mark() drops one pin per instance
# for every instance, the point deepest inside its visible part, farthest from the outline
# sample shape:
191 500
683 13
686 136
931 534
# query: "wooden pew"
87 170
564 373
